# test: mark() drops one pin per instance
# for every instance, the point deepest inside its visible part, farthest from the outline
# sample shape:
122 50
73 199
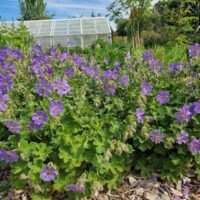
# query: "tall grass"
168 54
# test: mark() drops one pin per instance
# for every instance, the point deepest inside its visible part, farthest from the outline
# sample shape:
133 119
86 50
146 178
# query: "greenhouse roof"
64 27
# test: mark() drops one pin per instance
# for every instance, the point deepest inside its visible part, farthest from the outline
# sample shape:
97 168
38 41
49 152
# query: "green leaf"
35 196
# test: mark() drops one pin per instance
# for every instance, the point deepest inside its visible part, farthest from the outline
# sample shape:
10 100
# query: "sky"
9 9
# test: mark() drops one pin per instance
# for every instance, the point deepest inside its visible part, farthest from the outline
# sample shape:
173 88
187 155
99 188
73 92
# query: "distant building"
67 32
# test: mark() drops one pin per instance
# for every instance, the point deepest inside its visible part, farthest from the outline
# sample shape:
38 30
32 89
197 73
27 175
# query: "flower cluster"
43 88
56 107
37 120
194 50
8 156
62 87
156 65
139 114
195 108
110 88
75 188
182 137
174 67
195 146
184 114
156 136
146 89
69 72
13 126
148 56
3 98
124 81
111 74
163 97
48 173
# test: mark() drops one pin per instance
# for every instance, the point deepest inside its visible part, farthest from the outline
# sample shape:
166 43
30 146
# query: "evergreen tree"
33 10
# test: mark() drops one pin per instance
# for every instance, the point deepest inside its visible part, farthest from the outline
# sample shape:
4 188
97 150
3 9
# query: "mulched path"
133 187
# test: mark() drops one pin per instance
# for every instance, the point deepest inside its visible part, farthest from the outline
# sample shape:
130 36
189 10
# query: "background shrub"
15 37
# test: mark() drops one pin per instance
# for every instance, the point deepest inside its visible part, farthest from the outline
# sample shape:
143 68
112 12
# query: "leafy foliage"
97 136
15 37
33 10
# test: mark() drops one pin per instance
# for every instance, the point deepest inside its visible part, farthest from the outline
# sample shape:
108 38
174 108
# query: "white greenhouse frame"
71 32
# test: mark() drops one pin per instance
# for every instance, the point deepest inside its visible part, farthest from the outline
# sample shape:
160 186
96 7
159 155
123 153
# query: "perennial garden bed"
77 123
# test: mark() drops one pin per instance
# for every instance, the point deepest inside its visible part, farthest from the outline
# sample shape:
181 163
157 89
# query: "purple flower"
78 60
184 114
124 80
13 126
69 72
37 70
156 136
63 56
89 71
148 56
163 97
33 126
37 49
15 53
146 89
174 67
6 83
53 52
56 107
128 55
62 87
48 70
48 173
195 108
8 156
110 88
185 191
154 179
43 88
3 99
182 137
139 114
156 65
39 118
195 146
7 69
75 188
111 74
176 197
194 50
117 64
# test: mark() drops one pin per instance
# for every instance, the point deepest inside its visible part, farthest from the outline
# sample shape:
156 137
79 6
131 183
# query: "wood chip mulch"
134 187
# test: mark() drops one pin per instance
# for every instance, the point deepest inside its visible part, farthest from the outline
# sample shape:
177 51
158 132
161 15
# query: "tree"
179 19
122 25
134 11
33 10
93 14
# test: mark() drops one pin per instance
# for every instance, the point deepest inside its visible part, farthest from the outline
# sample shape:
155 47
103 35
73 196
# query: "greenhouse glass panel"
74 27
60 28
81 32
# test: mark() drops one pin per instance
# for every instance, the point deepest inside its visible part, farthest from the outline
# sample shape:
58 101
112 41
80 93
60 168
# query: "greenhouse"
72 32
